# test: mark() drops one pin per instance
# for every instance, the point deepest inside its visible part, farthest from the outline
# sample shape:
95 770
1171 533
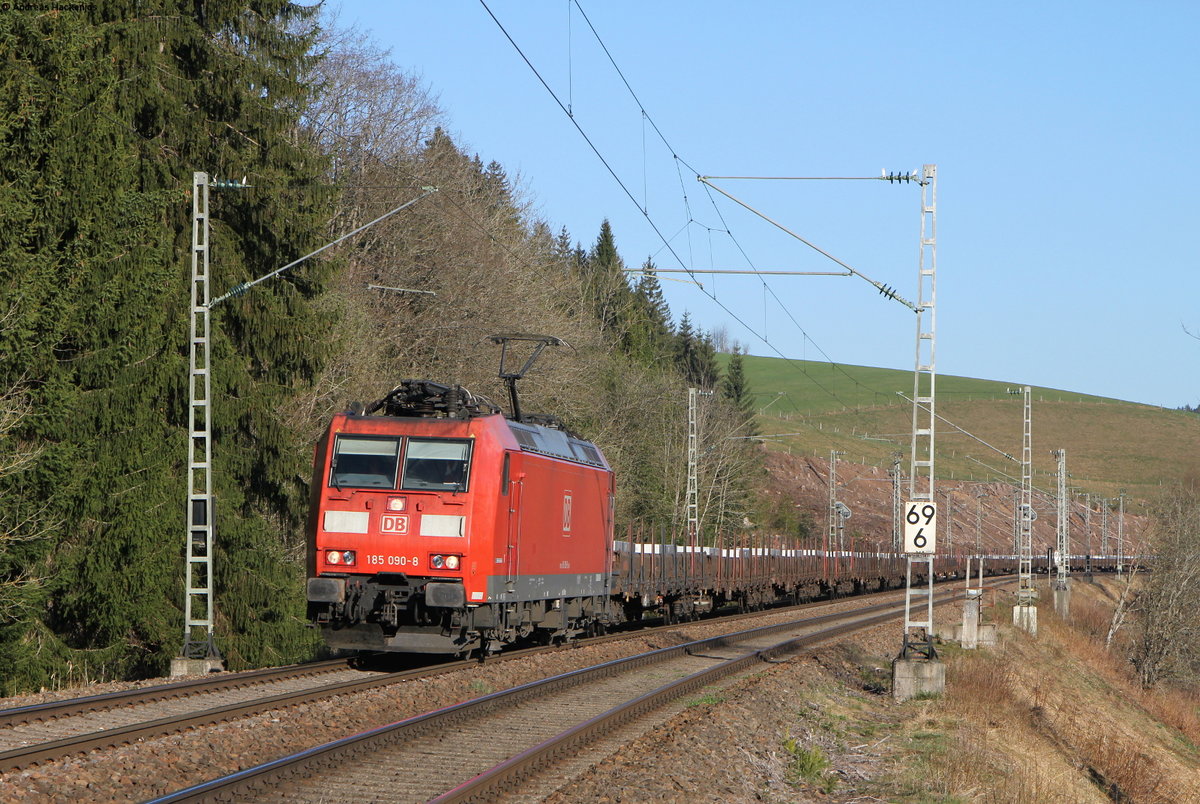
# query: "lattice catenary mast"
198 582
979 495
693 506
1025 612
949 521
1063 547
897 507
835 523
1121 536
918 627
1104 503
1087 526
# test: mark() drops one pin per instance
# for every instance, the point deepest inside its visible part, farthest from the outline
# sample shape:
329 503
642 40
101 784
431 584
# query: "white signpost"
920 527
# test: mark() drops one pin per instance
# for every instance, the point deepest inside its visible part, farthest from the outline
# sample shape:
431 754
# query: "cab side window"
365 463
436 465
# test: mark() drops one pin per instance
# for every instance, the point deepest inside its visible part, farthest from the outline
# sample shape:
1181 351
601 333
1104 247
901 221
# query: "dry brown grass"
1054 717
1177 708
1091 617
1057 718
979 767
1001 751
1124 772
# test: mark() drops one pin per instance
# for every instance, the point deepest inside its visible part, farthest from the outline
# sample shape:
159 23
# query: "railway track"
474 750
41 733
30 735
117 728
44 732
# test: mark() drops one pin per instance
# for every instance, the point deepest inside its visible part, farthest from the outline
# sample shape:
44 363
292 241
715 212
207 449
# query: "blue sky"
1065 137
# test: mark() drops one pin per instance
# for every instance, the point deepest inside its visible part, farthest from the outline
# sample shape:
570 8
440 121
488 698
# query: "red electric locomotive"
438 525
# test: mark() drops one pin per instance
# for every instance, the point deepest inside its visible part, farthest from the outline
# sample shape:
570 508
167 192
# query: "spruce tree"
606 287
695 355
107 110
685 345
735 390
650 339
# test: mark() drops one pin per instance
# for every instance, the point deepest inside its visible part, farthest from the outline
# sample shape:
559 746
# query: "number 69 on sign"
920 527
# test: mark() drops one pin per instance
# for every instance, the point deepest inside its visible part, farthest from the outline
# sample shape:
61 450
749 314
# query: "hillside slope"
811 408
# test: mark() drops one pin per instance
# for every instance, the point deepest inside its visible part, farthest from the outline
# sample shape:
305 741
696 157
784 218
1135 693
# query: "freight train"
440 525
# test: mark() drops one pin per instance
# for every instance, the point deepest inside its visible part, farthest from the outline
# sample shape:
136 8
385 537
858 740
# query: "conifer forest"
106 110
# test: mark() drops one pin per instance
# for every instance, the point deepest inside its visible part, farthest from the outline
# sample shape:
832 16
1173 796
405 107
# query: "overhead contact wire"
803 332
581 131
612 172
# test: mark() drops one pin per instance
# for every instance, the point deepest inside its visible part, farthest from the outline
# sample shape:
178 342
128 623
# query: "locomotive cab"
440 526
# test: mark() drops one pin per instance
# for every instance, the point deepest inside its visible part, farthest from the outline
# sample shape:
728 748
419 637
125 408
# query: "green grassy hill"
808 407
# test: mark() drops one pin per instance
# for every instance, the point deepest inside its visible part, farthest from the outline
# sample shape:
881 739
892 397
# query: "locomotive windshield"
439 465
365 463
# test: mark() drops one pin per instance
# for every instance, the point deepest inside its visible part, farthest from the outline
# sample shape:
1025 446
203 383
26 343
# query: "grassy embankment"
811 408
1052 718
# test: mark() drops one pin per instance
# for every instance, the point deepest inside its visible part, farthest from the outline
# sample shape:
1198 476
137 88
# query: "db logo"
396 524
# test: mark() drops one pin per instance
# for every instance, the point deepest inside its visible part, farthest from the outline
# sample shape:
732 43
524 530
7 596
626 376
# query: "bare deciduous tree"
1122 609
1168 642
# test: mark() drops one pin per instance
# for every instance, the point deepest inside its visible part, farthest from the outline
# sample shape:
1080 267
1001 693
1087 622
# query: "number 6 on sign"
920 527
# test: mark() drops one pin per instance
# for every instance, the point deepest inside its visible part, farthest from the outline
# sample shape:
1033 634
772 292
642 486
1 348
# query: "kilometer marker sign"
920 526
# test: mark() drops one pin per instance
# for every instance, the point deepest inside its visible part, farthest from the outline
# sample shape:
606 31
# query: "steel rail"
43 752
68 707
39 753
244 784
508 774
50 710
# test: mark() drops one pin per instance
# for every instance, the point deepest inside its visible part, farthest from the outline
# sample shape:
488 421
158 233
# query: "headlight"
397 504
437 562
335 557
452 562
